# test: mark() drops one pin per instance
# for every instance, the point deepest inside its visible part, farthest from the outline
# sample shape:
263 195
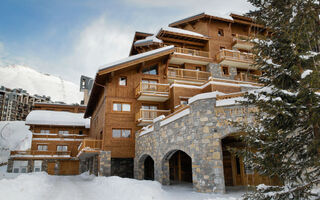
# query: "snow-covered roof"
58 118
148 40
136 57
181 31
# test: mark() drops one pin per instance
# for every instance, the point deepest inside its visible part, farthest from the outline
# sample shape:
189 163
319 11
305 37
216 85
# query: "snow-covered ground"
40 186
14 135
34 82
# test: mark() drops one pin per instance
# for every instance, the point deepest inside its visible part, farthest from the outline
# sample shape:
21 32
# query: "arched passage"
178 166
148 168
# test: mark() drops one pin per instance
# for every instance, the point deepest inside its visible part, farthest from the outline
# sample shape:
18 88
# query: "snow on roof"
225 16
182 31
59 118
147 40
207 95
136 57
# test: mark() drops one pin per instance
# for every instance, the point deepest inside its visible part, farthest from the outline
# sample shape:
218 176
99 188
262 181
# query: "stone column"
105 163
56 167
10 166
82 166
30 167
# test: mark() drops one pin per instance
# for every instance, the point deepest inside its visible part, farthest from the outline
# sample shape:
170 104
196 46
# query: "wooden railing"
37 152
152 88
241 37
246 77
149 115
188 74
90 144
191 52
234 55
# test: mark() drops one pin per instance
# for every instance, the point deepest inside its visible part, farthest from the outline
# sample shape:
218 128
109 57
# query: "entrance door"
227 168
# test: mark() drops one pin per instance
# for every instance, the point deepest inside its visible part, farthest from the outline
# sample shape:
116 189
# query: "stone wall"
216 72
122 167
199 135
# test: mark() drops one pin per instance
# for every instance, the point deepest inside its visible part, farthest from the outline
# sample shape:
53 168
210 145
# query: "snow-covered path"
40 186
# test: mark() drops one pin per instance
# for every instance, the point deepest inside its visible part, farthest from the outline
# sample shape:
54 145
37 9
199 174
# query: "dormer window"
152 70
220 32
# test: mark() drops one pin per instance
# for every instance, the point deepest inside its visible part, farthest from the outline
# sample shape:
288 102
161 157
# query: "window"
152 70
20 166
121 133
80 132
220 32
198 68
225 71
64 132
122 107
37 165
62 148
45 131
42 147
183 102
123 81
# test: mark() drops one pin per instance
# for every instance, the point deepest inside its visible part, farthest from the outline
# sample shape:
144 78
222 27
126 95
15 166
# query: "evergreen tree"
284 141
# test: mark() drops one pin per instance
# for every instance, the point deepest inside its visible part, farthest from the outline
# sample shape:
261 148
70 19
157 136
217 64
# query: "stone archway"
177 167
146 167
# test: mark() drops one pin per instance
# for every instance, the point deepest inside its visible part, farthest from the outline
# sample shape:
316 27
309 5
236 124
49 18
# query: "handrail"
188 74
234 55
90 144
146 114
155 88
246 77
38 152
192 52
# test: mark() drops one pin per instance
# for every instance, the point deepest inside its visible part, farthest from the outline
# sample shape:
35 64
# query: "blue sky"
73 37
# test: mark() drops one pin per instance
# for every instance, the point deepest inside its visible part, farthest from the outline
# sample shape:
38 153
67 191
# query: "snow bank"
14 135
34 82
47 117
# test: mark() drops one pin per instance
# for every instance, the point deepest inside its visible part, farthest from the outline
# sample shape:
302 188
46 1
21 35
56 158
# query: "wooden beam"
183 41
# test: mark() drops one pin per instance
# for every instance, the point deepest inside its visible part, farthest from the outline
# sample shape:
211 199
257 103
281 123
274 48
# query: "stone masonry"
199 135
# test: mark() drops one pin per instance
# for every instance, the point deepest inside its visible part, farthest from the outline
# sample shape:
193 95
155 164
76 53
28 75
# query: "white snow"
207 95
228 102
146 130
62 118
182 31
147 40
175 117
14 135
136 57
306 73
309 55
18 76
40 186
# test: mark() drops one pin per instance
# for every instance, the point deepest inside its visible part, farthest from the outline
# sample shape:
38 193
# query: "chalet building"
57 132
15 104
164 112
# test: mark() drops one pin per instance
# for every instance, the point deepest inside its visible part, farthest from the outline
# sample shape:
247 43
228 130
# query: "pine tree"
284 141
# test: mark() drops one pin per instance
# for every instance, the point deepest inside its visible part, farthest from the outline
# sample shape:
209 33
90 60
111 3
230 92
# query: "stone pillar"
164 173
10 166
138 169
44 166
215 70
30 166
82 166
105 163
232 72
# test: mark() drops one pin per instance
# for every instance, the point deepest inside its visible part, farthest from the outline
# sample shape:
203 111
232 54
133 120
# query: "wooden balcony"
247 77
145 117
235 58
152 92
89 147
184 55
242 42
188 75
40 154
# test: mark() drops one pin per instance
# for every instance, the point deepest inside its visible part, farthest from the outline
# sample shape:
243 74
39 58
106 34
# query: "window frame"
62 145
122 105
220 34
121 133
42 145
149 69
126 81
228 70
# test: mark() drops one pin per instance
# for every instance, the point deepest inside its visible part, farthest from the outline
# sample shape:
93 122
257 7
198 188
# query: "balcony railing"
152 91
187 74
192 52
34 153
147 116
90 144
246 77
242 42
234 55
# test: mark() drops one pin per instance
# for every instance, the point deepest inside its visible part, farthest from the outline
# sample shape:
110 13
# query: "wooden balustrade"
246 77
234 56
177 73
90 144
148 115
152 88
37 152
192 52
